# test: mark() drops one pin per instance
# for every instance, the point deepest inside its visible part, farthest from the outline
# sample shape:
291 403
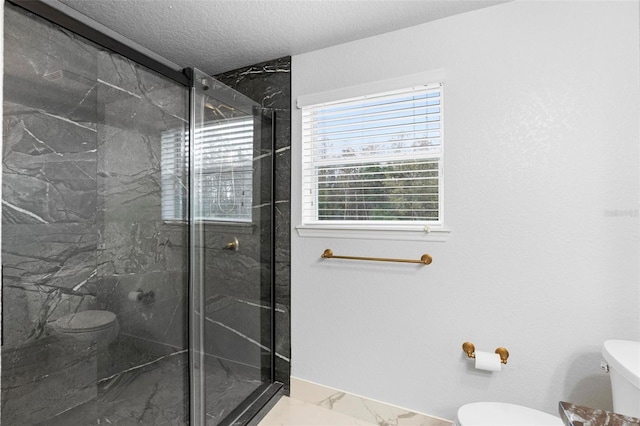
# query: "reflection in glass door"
231 252
96 209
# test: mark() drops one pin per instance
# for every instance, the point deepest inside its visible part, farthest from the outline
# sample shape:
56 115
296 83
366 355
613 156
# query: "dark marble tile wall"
269 84
139 252
49 192
237 283
41 381
82 226
82 229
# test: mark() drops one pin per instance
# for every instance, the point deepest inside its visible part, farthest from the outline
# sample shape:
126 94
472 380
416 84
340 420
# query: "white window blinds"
174 174
374 159
223 172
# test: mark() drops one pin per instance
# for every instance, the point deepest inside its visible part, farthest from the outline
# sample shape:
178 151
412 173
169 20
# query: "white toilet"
623 359
99 326
502 414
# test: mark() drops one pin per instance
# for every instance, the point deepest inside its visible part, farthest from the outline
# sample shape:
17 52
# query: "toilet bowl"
623 360
503 414
99 326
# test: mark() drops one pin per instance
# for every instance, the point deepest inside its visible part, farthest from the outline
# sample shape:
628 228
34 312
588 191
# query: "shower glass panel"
137 239
94 278
231 243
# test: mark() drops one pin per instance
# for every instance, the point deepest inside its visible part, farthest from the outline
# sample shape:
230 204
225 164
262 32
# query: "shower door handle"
232 245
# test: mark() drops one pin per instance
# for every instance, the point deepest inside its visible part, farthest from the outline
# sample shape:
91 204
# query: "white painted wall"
542 145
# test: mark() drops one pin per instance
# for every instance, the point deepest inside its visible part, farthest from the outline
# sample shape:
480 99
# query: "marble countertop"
579 415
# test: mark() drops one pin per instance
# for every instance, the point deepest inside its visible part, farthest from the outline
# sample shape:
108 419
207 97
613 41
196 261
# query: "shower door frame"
73 21
250 407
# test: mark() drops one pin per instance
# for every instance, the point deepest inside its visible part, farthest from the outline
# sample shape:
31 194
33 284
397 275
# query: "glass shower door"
231 252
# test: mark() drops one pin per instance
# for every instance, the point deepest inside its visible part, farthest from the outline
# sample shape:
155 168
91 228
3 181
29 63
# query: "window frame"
391 230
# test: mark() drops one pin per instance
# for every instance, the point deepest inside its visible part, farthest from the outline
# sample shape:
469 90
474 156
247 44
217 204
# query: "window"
374 161
223 172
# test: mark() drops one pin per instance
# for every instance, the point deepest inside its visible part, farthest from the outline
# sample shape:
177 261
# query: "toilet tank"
623 357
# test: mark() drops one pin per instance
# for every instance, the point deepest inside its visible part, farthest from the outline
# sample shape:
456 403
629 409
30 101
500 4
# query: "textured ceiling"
221 35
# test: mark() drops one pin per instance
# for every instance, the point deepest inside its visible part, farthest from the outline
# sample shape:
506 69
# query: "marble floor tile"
293 412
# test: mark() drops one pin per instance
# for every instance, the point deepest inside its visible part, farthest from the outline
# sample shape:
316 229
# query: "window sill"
405 233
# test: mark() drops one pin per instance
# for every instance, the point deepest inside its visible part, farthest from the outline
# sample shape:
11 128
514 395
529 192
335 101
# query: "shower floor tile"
156 394
293 412
151 394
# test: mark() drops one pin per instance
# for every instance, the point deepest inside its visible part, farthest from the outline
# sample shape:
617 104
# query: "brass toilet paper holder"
470 350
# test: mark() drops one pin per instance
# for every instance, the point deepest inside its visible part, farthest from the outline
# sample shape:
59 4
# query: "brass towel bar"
424 260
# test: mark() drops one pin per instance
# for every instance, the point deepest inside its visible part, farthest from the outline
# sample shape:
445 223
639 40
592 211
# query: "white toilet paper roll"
488 361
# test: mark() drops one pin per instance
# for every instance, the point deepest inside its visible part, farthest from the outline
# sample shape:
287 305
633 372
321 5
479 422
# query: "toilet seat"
503 414
85 322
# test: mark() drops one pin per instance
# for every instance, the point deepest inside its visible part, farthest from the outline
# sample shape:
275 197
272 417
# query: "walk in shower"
138 237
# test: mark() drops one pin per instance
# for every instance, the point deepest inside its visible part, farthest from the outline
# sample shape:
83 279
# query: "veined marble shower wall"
83 230
269 84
